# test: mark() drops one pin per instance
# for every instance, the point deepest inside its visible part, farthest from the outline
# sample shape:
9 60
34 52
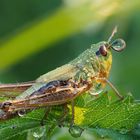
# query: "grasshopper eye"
118 45
103 50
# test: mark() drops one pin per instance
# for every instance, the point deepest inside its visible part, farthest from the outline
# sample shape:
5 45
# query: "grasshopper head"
117 45
103 52
105 47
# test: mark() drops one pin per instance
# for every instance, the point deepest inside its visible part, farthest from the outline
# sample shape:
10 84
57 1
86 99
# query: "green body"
86 66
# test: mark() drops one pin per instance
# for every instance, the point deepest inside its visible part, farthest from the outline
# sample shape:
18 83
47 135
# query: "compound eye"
103 50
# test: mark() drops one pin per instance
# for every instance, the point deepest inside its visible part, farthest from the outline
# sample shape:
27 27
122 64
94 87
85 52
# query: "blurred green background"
37 36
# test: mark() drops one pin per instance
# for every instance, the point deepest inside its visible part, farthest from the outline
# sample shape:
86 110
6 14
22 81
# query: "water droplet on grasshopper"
96 90
21 113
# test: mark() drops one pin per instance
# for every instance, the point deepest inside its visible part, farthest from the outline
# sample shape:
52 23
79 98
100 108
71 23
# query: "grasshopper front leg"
112 86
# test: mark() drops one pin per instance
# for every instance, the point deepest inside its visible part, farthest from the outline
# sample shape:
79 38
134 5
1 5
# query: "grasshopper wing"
62 73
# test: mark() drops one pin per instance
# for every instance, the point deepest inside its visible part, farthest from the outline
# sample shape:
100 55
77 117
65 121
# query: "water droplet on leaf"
83 111
136 130
102 136
39 132
138 126
123 130
75 131
13 127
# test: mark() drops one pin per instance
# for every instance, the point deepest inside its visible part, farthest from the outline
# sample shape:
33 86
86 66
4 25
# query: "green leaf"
119 118
102 113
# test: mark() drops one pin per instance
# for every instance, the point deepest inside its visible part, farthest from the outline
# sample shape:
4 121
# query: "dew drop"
83 111
138 126
21 113
132 105
123 130
102 136
75 91
39 132
13 127
118 45
96 90
136 130
75 131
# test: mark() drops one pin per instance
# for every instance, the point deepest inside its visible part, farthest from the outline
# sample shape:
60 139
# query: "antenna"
113 33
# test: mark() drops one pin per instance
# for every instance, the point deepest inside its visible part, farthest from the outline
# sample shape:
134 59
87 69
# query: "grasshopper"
87 73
